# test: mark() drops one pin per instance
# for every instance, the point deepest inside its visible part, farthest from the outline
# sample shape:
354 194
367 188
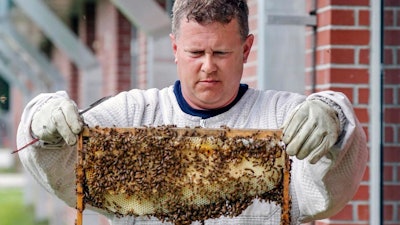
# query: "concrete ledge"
12 180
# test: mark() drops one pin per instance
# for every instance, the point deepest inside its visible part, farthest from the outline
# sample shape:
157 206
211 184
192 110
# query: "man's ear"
247 47
173 45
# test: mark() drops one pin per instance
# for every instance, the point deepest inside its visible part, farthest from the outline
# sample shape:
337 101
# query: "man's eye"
220 53
196 53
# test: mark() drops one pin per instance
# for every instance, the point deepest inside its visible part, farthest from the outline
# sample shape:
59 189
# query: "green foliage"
13 210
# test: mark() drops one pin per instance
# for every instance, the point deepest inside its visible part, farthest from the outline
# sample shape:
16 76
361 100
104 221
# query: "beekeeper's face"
210 62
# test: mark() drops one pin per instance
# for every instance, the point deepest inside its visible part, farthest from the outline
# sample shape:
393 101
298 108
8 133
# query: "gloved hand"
57 120
311 130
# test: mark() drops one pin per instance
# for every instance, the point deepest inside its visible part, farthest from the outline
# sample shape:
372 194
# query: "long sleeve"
323 189
51 166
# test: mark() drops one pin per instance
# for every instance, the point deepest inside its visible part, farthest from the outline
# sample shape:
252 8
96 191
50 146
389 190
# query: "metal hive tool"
181 175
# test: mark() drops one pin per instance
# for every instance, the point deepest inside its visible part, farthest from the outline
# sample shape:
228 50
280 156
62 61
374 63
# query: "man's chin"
211 103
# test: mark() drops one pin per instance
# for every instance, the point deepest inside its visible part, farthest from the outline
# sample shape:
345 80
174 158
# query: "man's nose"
209 65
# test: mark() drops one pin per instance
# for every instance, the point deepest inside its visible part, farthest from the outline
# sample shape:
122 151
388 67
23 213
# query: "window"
282 43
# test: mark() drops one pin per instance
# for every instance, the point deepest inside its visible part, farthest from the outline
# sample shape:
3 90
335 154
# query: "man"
211 42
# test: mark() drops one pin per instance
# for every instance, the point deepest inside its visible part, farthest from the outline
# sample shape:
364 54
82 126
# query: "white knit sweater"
318 191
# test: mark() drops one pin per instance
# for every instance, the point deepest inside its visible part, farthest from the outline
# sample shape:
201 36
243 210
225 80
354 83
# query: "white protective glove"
58 119
311 130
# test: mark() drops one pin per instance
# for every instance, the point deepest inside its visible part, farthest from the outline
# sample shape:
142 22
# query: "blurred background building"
94 48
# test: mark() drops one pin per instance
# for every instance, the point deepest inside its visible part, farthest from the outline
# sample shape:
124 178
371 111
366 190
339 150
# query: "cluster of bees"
179 175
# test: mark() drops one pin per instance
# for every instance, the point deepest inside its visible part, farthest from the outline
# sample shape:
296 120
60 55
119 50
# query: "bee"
3 99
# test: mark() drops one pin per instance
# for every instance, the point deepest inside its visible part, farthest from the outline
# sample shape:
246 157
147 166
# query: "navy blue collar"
204 114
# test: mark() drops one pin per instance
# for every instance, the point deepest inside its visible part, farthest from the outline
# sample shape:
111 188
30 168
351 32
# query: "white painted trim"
261 70
147 15
375 114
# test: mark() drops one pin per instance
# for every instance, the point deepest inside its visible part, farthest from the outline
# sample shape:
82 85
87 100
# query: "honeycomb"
180 175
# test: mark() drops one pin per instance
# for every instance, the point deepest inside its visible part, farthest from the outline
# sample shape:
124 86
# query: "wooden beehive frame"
80 173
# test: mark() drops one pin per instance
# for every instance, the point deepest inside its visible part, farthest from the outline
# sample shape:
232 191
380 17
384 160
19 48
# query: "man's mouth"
209 81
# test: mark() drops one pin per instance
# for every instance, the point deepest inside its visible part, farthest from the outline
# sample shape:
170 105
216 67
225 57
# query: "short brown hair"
209 11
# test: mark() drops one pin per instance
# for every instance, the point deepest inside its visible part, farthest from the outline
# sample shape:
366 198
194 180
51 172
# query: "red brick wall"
343 65
343 40
391 112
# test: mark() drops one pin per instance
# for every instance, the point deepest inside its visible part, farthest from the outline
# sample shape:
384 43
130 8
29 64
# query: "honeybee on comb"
180 175
3 99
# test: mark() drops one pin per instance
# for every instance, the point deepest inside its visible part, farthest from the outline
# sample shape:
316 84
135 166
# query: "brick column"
391 112
124 29
342 51
113 36
250 68
342 65
142 60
